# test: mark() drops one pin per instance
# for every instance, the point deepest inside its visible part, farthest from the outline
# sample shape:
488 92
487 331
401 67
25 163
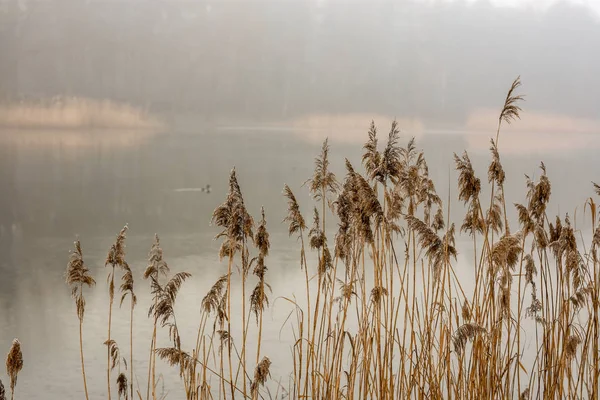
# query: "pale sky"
539 4
594 4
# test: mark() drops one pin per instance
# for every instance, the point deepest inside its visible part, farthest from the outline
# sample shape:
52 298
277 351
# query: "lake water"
56 185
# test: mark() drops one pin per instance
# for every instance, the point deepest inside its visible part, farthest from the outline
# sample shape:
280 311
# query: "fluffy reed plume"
127 289
78 276
155 268
261 373
163 310
233 217
469 185
237 226
122 386
506 252
174 357
473 223
538 195
493 216
372 157
2 392
377 293
315 235
511 110
210 302
581 296
156 265
294 217
530 269
465 332
114 259
390 160
524 395
115 355
386 165
571 346
495 171
466 312
438 222
438 249
14 365
323 180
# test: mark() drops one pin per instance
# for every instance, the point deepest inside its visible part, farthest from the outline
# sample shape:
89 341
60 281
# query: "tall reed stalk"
77 276
114 259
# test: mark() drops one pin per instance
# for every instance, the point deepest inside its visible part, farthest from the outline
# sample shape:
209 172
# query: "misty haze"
318 199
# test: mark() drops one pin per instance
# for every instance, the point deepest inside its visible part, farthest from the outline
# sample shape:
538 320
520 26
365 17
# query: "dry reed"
388 314
14 365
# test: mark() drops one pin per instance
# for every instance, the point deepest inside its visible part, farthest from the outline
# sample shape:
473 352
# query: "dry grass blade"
14 363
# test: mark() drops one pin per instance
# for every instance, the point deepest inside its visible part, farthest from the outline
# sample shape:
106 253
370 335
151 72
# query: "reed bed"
75 113
385 314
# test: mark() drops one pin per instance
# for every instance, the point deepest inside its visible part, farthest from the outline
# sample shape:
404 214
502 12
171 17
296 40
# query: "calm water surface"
56 185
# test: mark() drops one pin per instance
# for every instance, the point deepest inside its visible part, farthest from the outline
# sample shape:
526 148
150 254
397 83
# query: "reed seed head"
511 110
122 386
261 373
78 275
14 363
156 265
294 216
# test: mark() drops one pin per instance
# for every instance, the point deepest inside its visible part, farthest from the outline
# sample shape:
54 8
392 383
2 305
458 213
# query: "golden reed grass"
386 314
